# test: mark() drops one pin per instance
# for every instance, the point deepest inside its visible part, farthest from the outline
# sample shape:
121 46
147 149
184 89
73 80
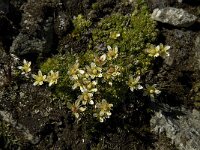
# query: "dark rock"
62 24
4 6
160 3
37 34
24 44
197 53
14 103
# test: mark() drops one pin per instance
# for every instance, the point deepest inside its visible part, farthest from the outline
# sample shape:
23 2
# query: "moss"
136 30
61 64
80 24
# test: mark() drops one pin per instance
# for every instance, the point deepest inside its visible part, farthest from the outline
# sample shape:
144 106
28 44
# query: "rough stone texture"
160 3
30 111
37 33
180 125
34 26
174 16
4 6
6 116
197 52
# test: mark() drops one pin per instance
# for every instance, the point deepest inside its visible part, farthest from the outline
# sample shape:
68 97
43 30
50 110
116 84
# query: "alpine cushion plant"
118 56
99 80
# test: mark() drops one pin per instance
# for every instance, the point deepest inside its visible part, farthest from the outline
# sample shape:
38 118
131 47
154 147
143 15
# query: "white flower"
39 79
103 110
26 67
100 60
88 85
133 83
153 51
151 91
159 50
112 72
52 77
73 71
164 50
94 71
114 35
112 52
86 97
76 108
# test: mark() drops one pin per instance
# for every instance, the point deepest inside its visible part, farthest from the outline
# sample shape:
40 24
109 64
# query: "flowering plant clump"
117 58
89 79
39 79
98 78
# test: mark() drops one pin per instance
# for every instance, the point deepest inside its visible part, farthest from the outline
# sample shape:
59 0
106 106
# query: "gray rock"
174 16
197 53
180 1
23 44
180 125
62 24
27 135
159 3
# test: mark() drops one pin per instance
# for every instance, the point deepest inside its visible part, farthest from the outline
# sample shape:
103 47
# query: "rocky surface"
178 124
174 16
35 119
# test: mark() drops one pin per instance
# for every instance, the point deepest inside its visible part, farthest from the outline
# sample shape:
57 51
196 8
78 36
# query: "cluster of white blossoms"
86 79
159 50
91 77
134 82
51 78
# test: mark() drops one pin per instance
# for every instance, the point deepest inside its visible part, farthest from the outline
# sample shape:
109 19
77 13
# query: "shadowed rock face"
4 6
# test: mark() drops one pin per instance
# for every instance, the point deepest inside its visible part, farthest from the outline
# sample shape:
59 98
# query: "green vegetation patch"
119 54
